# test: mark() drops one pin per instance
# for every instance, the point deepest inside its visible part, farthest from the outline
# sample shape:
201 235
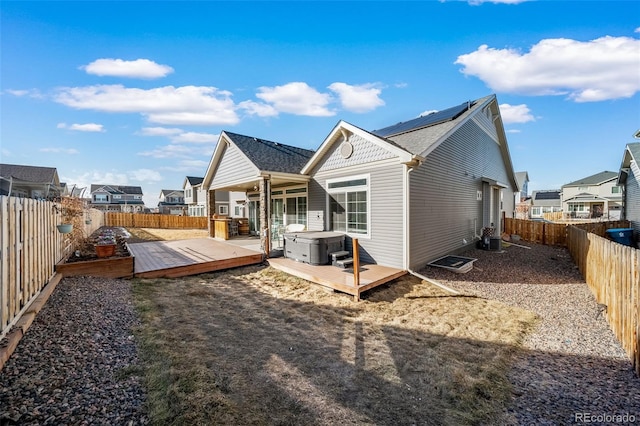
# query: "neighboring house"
629 180
595 196
194 196
117 198
522 200
523 183
30 181
547 201
172 202
227 203
410 193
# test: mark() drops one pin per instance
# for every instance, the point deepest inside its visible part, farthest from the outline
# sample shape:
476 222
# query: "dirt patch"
257 346
171 234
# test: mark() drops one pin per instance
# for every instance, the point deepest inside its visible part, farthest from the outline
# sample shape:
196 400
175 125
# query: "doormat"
458 264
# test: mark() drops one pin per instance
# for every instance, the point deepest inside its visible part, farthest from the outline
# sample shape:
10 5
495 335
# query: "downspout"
407 235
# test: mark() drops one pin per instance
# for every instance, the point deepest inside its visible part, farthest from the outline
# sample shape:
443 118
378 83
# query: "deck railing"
30 247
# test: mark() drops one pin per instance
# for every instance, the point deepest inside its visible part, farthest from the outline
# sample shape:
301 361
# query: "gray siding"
233 167
443 201
385 245
363 152
632 200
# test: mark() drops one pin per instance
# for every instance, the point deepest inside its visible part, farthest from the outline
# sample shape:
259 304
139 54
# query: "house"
409 193
629 181
117 198
595 196
545 201
194 196
30 181
172 202
522 200
266 175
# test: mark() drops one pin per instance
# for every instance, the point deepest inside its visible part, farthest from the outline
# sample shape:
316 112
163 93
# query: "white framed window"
615 189
223 209
101 198
349 205
536 211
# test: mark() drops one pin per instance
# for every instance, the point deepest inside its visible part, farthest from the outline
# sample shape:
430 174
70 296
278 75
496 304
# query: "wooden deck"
172 259
336 278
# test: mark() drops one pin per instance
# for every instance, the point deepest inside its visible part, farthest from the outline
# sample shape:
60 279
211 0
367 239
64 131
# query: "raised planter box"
114 267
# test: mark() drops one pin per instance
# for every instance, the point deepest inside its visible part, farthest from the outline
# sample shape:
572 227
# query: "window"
615 189
535 211
101 198
223 209
349 205
238 211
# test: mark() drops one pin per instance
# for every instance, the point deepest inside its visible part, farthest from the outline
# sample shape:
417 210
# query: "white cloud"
145 175
187 105
297 98
159 131
637 30
32 93
69 151
180 136
180 150
258 108
169 151
358 98
189 166
88 127
516 113
193 137
140 68
601 69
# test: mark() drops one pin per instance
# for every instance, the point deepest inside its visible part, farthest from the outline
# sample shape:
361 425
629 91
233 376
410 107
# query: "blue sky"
136 93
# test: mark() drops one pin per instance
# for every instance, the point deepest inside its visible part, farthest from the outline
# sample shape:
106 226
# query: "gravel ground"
573 368
77 363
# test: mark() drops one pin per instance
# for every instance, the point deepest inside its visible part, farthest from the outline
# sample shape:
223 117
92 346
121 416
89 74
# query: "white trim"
359 188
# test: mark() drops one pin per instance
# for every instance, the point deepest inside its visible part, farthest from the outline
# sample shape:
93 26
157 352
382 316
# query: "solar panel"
425 121
552 195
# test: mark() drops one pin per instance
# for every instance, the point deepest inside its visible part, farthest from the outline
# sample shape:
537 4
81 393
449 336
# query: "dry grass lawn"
257 346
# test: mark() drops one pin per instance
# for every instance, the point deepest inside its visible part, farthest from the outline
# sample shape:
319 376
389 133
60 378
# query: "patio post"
265 198
211 208
356 269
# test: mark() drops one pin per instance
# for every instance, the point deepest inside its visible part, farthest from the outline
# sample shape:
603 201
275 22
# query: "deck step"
339 254
344 263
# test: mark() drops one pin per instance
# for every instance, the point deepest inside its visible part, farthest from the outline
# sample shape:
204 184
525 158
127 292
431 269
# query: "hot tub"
311 247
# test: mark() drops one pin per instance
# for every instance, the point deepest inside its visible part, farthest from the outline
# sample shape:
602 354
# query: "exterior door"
254 217
277 222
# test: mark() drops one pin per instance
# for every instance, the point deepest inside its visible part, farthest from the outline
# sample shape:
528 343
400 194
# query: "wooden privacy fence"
555 234
612 272
161 221
30 246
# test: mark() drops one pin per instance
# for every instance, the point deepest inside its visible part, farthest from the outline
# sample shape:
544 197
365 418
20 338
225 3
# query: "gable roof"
597 179
271 156
194 180
521 178
266 156
630 160
414 139
117 189
34 174
166 192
